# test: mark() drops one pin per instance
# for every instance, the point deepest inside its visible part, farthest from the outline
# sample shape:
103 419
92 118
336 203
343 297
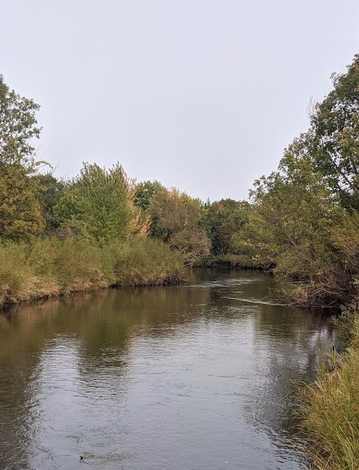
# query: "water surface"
192 377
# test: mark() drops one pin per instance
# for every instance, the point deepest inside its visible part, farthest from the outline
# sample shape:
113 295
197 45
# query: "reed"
329 410
50 267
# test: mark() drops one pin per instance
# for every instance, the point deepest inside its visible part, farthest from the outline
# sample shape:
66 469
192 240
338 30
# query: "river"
193 377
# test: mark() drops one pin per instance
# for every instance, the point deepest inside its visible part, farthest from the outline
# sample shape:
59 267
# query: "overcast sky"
202 95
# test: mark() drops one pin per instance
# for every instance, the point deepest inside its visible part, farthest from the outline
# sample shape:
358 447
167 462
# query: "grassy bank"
51 267
330 409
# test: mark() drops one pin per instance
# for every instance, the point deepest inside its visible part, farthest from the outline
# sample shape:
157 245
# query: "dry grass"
51 267
330 411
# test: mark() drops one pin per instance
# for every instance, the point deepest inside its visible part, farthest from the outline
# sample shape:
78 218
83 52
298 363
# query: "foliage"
49 192
99 205
298 207
310 203
302 214
332 141
142 261
14 271
20 215
51 266
145 191
254 244
20 211
18 127
223 219
177 217
144 194
330 410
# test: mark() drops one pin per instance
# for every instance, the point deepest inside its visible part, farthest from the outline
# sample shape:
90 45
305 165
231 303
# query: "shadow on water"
197 376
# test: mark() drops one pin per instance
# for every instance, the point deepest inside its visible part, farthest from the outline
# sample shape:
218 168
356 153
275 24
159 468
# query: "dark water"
195 377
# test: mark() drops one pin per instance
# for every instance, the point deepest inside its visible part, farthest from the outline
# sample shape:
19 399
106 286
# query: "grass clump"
330 410
50 267
142 261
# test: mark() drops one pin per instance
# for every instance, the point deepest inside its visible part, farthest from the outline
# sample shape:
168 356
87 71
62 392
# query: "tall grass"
330 411
142 262
51 266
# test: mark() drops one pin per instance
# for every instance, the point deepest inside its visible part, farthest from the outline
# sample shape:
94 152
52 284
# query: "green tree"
99 205
20 214
223 219
298 206
301 213
50 191
177 217
332 142
145 192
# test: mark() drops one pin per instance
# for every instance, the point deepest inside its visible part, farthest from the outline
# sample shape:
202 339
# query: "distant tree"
100 205
177 218
223 219
145 192
20 214
18 128
50 191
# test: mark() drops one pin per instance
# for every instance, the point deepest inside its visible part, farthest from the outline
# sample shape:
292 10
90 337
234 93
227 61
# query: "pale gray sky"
202 95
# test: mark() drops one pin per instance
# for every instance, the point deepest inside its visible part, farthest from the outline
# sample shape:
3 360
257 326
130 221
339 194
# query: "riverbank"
234 262
329 407
52 267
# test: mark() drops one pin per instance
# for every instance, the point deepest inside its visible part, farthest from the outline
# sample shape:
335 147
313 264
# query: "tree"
18 127
99 205
145 192
302 214
223 219
50 191
177 218
332 142
20 215
299 207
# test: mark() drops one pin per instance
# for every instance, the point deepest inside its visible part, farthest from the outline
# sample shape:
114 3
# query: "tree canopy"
99 204
20 212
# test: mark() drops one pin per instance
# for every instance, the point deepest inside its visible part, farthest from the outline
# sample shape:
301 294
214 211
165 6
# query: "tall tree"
20 214
145 191
223 219
50 191
332 142
177 217
99 204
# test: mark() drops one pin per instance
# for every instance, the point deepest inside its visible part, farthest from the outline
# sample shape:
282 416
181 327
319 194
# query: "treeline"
60 236
301 221
309 206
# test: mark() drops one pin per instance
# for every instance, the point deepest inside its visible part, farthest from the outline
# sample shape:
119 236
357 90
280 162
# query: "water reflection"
198 376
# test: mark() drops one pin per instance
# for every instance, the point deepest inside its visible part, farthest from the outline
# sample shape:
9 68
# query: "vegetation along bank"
101 228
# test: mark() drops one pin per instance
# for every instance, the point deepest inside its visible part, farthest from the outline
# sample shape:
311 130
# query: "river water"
192 377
